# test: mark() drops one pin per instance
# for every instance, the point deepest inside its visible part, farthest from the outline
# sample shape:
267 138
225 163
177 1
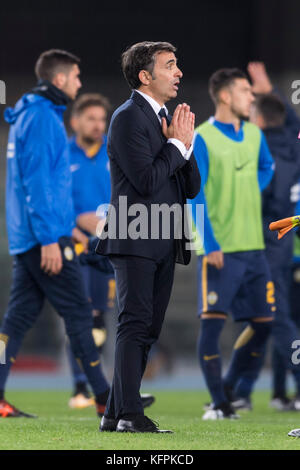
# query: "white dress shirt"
186 153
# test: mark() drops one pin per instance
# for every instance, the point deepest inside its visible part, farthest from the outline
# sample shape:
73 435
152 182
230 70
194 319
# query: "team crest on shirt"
212 298
74 167
68 253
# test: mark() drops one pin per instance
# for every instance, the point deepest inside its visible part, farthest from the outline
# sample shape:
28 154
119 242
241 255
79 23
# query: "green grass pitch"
58 427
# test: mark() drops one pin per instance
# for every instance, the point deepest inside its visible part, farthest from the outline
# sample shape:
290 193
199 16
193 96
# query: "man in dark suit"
152 166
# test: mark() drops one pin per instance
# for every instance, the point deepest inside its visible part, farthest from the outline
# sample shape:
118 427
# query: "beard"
90 140
239 114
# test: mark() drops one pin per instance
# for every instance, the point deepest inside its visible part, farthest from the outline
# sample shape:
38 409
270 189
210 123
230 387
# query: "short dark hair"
86 100
141 56
223 78
271 109
54 61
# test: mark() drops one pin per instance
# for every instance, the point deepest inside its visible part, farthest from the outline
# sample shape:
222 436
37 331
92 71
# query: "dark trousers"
66 292
143 292
285 332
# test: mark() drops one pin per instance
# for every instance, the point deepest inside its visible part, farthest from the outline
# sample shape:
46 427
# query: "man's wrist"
185 152
178 143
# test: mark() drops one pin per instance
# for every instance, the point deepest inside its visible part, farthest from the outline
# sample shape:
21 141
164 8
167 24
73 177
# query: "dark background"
209 35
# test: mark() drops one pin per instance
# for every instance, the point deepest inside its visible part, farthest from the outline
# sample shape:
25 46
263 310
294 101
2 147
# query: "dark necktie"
162 114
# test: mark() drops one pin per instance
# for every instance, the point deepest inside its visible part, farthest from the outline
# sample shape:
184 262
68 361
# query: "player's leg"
80 397
66 293
280 400
102 292
247 360
255 303
216 289
295 314
100 288
25 304
210 355
294 294
284 330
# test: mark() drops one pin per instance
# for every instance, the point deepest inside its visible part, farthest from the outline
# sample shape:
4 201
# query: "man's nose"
179 73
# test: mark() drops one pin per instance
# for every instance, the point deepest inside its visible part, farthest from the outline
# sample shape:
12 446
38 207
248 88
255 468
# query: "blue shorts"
100 288
243 287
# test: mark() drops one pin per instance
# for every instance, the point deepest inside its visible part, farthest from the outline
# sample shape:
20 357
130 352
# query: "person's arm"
266 165
36 161
89 221
132 152
210 243
261 84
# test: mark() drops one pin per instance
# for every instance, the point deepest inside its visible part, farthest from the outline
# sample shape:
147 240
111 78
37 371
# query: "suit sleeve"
132 152
35 164
208 238
192 178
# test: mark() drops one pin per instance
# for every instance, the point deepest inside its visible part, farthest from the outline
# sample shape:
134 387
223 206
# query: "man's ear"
224 96
59 80
74 123
144 77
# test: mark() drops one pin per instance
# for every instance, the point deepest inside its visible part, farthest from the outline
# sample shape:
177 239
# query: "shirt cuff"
181 147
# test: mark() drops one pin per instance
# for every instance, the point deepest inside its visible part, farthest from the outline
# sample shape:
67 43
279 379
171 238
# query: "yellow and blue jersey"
224 184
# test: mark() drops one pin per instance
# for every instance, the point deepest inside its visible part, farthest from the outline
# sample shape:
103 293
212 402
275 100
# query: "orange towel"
285 225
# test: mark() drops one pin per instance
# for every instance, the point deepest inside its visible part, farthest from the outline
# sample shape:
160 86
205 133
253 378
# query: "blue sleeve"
266 164
201 155
37 158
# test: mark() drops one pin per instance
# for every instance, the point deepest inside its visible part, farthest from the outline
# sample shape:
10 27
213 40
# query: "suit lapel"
148 110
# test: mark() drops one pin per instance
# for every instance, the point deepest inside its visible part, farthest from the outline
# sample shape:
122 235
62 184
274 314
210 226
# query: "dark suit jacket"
148 171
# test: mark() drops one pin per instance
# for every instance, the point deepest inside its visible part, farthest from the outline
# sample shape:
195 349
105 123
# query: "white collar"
154 104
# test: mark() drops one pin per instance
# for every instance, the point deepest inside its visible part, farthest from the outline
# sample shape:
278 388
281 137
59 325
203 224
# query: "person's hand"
51 259
216 259
261 83
181 126
79 237
88 221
